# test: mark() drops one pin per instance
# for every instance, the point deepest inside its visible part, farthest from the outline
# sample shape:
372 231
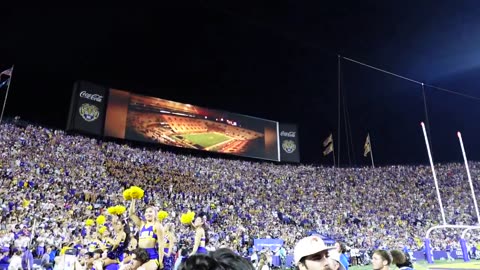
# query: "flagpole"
6 95
334 165
371 150
339 107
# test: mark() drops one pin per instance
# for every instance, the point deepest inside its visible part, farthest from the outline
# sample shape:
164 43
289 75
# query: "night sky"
276 61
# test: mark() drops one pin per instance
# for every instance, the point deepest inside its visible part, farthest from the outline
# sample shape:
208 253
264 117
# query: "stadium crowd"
51 182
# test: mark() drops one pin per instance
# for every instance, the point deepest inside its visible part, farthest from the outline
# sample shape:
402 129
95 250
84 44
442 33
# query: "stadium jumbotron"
185 126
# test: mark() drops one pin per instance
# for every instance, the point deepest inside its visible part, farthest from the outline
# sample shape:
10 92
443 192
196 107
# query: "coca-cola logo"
290 134
94 97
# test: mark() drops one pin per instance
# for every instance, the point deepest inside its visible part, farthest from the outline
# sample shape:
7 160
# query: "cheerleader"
200 237
112 248
120 241
150 236
41 245
91 241
106 240
168 259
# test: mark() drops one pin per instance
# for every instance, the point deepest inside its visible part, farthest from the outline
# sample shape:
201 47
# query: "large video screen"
150 119
101 111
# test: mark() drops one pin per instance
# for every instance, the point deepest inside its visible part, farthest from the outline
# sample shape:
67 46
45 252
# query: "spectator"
381 260
342 249
16 260
27 259
400 259
334 259
233 261
201 261
311 253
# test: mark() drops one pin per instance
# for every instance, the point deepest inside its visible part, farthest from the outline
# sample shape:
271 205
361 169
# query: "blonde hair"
262 261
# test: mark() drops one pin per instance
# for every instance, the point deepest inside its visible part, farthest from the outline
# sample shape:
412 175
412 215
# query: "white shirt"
15 263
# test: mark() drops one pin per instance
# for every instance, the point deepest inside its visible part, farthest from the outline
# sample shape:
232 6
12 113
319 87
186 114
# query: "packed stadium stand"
182 125
57 181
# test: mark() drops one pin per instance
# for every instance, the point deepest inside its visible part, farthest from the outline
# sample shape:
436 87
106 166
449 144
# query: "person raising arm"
151 236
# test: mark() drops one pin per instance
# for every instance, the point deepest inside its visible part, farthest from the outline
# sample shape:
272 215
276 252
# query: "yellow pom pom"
162 215
136 192
116 210
120 209
25 184
102 229
89 222
127 194
187 218
101 220
89 207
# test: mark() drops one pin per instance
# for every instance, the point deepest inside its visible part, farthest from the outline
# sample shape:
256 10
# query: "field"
423 265
204 139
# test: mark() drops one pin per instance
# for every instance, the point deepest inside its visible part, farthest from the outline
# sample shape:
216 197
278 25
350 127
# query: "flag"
367 148
7 72
328 140
328 150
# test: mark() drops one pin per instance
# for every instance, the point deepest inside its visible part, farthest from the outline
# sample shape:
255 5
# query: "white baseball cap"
308 246
333 254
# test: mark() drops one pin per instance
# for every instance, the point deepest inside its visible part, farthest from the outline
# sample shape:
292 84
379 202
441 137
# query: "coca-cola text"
290 134
94 97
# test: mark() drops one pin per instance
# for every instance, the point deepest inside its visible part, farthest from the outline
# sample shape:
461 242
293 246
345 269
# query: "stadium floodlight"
468 175
433 172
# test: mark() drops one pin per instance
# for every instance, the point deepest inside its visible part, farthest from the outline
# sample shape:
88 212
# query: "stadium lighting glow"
205 117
